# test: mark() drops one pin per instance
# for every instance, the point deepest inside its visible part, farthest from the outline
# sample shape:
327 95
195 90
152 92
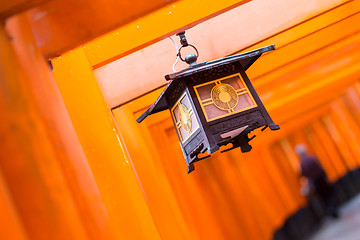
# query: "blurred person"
317 182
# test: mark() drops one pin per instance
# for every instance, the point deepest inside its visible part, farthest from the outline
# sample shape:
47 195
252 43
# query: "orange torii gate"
70 162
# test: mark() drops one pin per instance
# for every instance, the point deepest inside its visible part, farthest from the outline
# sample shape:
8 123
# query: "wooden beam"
34 177
297 88
62 25
10 221
157 26
141 74
73 164
243 26
303 48
333 72
106 155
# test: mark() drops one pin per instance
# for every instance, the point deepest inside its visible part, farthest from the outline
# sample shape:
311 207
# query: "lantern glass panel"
205 91
212 112
184 118
224 97
245 102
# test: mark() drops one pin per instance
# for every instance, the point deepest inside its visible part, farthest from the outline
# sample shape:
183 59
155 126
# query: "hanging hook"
183 40
190 58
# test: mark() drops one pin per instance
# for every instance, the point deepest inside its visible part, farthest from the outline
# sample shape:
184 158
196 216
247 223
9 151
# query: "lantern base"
241 141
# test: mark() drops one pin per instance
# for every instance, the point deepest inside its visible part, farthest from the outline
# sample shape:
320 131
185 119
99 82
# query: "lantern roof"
245 59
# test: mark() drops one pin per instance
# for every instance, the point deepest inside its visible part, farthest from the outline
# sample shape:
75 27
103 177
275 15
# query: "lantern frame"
211 134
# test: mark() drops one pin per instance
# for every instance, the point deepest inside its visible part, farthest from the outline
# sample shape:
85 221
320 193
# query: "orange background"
74 166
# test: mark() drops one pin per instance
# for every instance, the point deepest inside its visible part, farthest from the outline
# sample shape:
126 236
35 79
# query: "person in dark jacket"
318 181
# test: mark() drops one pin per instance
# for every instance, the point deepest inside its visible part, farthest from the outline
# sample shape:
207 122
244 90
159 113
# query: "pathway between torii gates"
346 227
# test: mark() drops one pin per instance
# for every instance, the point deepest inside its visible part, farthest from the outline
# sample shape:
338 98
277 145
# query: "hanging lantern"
213 104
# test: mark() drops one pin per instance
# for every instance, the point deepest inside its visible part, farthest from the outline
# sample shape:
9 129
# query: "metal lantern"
213 104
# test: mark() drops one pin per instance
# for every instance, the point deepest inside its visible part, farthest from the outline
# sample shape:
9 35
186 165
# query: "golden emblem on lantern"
184 117
224 96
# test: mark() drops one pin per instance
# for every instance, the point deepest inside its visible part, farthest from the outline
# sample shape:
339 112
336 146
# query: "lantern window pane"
205 91
245 102
235 82
213 112
176 113
184 133
185 100
224 97
195 124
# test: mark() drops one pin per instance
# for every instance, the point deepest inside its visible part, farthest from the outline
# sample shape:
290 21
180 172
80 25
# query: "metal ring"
179 54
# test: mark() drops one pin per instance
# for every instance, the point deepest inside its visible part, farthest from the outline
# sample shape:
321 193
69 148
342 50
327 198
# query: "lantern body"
213 104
